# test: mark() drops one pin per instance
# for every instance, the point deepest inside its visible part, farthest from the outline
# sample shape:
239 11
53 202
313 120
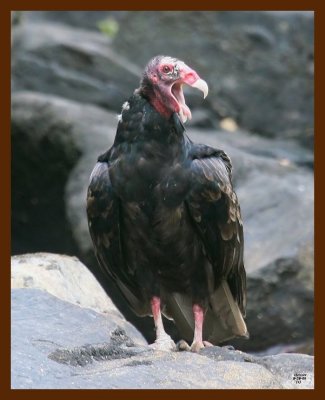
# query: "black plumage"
165 220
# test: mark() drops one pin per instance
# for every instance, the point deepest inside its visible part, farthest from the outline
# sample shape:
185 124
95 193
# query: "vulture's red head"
162 84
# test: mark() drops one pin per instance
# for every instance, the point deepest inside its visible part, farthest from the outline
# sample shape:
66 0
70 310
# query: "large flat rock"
64 346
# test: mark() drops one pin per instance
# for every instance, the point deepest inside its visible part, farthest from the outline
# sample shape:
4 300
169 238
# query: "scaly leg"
163 340
198 342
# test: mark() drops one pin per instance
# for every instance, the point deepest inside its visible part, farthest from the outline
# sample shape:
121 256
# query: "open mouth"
177 92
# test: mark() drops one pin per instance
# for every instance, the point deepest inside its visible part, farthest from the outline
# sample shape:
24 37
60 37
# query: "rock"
274 185
282 365
286 152
16 17
50 323
47 142
73 63
259 65
78 19
305 347
62 276
69 347
280 307
43 156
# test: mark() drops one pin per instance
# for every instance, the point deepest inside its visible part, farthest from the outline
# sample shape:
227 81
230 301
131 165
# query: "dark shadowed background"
71 73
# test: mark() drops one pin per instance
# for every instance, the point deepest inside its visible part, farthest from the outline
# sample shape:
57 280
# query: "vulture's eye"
166 69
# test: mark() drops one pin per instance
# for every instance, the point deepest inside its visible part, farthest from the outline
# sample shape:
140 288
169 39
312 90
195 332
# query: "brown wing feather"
215 210
103 211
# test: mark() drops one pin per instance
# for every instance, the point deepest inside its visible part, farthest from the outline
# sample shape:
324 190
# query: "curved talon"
207 344
197 346
183 346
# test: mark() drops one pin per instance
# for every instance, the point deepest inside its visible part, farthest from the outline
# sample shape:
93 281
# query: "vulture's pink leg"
198 342
163 340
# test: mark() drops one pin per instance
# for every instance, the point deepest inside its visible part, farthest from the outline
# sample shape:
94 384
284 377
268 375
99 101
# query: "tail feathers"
223 320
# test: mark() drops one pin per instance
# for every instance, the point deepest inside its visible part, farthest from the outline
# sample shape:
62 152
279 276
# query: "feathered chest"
149 159
152 171
152 178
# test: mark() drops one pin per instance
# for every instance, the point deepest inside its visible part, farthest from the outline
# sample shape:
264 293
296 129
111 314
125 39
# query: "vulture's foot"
163 343
183 346
195 347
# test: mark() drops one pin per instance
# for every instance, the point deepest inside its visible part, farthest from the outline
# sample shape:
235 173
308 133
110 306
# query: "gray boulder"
280 307
79 19
70 62
42 158
272 178
49 136
67 279
62 276
69 347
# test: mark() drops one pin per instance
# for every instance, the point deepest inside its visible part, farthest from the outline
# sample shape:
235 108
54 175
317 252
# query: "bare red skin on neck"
161 106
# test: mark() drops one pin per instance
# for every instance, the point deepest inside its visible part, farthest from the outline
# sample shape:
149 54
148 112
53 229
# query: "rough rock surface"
45 149
68 347
273 181
280 307
73 63
62 276
80 19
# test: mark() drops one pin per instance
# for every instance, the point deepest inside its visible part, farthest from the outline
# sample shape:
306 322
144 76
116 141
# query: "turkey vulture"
163 216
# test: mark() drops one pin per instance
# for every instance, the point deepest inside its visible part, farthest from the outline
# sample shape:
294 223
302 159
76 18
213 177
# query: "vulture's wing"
214 208
103 211
215 213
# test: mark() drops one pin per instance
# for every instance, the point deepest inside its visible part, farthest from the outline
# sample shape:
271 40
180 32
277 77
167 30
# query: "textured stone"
74 63
62 276
68 347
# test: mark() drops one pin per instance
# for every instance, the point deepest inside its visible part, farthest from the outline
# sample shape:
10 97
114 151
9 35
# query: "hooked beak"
201 85
190 77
